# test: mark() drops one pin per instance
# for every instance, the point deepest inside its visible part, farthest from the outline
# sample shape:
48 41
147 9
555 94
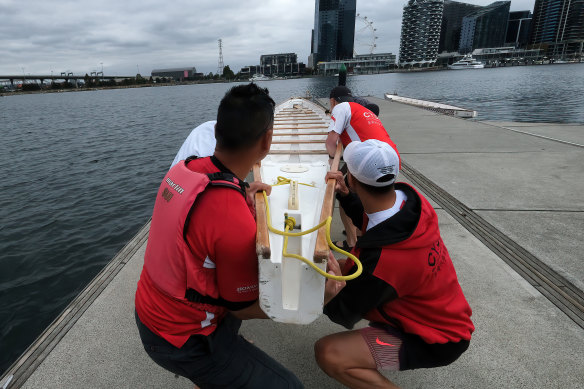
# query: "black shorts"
224 359
412 352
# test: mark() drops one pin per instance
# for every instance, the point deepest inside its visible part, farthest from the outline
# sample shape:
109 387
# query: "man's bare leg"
346 357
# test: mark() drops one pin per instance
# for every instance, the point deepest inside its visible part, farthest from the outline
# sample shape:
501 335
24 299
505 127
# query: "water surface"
80 170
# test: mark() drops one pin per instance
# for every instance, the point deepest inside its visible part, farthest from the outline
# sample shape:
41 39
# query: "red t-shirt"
221 233
353 122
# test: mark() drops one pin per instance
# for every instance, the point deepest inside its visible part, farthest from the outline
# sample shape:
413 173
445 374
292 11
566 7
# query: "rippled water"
80 170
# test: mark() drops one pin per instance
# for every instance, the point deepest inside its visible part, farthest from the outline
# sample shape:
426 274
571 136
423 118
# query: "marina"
516 249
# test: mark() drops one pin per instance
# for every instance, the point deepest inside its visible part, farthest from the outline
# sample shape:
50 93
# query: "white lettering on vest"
174 186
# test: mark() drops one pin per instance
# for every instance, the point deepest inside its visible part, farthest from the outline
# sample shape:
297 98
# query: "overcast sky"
125 36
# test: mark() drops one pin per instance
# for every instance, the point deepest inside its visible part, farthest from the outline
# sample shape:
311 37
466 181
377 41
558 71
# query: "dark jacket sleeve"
360 295
352 206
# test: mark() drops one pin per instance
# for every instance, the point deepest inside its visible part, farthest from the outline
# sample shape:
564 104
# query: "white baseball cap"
372 162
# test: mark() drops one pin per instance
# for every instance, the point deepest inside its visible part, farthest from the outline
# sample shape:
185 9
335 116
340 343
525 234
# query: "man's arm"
360 295
353 207
340 119
333 287
331 143
349 201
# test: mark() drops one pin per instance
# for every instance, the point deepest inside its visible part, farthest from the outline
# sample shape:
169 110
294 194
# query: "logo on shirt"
247 289
436 257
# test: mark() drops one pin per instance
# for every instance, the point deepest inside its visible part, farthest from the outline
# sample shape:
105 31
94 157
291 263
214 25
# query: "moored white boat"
467 62
290 290
259 77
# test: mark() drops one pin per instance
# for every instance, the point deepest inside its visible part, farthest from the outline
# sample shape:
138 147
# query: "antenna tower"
220 63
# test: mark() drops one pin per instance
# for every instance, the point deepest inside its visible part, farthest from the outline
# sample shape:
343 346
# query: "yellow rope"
290 222
286 181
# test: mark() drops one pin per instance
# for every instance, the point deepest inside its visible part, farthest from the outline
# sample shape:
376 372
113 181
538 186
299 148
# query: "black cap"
373 108
341 93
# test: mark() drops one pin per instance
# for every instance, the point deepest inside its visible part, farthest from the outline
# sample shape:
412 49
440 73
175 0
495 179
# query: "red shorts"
393 349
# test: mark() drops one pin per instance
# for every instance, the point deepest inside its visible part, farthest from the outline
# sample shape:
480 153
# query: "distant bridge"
63 76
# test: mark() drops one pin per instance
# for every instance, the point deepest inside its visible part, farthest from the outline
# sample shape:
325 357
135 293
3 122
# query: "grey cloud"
81 34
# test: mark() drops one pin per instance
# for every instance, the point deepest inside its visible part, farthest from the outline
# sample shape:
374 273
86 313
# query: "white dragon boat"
291 290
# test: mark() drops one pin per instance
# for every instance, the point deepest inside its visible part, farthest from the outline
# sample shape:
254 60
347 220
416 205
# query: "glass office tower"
334 30
518 28
558 27
454 11
486 27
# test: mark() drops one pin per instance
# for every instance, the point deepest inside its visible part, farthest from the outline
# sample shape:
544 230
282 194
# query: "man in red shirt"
350 122
200 275
409 291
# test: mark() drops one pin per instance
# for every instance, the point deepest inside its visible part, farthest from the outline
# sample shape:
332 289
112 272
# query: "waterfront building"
361 64
420 34
486 27
177 74
278 59
519 28
271 65
334 30
452 16
558 27
508 56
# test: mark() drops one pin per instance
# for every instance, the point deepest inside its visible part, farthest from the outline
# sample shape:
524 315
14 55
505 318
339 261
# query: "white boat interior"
290 291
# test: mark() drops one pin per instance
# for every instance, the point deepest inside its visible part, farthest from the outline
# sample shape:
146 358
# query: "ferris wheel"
365 36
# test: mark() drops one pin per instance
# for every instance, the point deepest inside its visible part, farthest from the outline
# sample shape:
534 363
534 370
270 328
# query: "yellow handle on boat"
290 223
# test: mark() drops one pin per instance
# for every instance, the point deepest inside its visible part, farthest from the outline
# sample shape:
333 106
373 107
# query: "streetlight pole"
101 63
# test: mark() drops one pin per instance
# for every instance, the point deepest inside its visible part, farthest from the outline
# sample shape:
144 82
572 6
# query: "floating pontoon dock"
432 106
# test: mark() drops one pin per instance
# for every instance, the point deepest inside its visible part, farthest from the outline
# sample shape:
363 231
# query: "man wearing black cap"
409 291
351 121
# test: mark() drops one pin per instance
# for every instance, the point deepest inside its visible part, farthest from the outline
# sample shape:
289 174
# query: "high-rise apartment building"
486 27
558 27
334 30
420 34
518 28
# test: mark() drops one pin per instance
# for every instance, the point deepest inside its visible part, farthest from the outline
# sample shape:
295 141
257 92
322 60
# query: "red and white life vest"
169 261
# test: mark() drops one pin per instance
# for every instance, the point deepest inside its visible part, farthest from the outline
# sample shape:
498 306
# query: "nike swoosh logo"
383 343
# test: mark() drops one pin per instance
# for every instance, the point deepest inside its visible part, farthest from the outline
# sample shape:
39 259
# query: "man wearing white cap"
351 121
408 290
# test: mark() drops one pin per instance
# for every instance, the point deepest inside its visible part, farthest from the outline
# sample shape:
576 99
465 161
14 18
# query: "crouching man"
409 291
200 275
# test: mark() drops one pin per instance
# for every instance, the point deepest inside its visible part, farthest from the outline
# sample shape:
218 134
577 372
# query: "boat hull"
452 67
290 290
